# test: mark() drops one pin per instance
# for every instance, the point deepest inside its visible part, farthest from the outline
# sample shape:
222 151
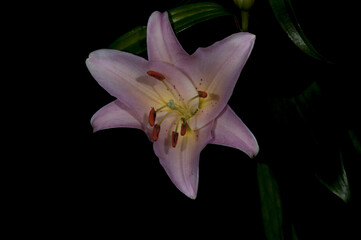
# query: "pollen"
202 94
156 130
184 127
156 75
152 116
174 139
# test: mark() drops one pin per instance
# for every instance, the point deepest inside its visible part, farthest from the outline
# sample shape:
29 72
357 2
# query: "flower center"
183 111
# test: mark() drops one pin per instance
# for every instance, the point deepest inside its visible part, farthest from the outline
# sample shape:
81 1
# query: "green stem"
244 17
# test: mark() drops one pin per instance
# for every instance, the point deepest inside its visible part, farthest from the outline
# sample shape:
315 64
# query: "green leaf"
311 105
355 141
132 41
309 120
337 183
271 205
188 15
181 18
285 15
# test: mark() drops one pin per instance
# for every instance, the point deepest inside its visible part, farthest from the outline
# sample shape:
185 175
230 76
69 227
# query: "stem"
244 16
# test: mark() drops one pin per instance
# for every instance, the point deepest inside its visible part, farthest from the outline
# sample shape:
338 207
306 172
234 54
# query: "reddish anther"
174 138
152 116
156 75
202 94
156 130
184 128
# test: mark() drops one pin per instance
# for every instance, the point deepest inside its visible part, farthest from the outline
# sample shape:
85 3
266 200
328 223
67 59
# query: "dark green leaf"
132 41
181 18
338 182
271 206
355 141
309 120
186 16
314 111
286 17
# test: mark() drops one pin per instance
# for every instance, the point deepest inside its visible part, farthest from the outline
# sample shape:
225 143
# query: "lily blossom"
178 100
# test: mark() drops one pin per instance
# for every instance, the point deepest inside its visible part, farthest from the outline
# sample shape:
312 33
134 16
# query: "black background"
110 182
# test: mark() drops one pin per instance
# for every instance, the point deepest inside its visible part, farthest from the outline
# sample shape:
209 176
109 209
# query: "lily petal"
218 69
125 77
162 44
113 115
181 162
229 130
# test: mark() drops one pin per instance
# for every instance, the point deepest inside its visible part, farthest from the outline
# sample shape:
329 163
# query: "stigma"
183 111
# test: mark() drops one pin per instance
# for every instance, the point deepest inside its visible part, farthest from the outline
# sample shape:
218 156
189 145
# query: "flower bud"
244 5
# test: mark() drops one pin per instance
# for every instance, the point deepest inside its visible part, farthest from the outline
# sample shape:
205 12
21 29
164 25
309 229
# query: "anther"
174 138
184 127
152 116
202 94
156 75
156 130
161 78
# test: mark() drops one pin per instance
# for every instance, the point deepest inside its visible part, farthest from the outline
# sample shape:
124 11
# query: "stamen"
153 113
156 75
152 116
184 127
168 88
176 126
161 108
161 78
202 94
156 130
164 117
174 139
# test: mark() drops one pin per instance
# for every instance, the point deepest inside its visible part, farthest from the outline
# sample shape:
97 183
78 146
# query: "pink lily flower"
178 100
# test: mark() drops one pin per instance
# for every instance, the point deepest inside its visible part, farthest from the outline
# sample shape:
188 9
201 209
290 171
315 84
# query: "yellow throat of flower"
184 111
